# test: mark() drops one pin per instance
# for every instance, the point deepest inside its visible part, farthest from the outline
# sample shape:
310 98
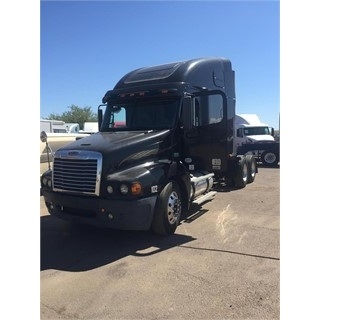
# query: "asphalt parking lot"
223 262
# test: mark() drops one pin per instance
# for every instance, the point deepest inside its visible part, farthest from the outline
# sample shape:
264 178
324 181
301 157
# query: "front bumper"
116 214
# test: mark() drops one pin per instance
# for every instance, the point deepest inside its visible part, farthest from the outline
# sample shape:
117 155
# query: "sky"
87 46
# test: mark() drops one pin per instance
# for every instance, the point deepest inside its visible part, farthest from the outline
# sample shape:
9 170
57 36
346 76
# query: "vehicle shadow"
261 165
73 247
195 211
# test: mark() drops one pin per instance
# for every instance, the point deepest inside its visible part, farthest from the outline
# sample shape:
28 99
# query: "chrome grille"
77 171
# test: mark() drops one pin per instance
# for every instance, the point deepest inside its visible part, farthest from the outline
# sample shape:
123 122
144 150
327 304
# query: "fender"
153 176
178 172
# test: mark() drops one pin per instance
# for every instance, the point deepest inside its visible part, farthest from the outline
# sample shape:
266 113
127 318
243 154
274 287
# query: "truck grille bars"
77 171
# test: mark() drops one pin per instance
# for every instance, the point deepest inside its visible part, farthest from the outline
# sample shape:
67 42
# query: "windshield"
254 131
141 114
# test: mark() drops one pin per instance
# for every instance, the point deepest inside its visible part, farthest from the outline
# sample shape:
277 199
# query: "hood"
118 149
260 138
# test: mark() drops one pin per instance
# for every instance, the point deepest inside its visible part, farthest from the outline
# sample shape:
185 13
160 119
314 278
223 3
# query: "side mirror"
100 116
43 136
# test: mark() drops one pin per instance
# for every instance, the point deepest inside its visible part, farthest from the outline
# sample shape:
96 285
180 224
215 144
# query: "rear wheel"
168 210
240 178
252 168
270 158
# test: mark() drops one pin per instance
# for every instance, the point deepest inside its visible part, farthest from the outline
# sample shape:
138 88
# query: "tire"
270 158
168 210
240 178
252 168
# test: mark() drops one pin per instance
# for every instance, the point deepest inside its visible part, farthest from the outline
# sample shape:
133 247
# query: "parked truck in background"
256 138
165 140
72 127
58 134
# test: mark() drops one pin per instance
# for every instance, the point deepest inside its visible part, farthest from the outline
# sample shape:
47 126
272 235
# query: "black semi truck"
165 141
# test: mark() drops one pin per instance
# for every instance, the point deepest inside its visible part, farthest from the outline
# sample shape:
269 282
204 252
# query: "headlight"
124 189
110 189
46 181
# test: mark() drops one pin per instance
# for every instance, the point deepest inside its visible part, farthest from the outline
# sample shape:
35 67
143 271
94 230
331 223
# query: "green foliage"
75 115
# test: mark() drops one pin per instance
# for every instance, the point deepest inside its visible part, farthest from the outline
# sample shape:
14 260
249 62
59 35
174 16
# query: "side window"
240 132
119 119
208 109
215 108
115 117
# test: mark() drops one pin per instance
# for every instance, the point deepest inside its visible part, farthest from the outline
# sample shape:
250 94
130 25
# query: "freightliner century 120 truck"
165 140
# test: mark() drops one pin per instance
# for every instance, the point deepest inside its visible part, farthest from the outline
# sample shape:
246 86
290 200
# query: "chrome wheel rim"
173 207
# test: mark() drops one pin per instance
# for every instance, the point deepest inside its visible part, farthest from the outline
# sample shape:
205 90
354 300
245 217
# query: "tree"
75 115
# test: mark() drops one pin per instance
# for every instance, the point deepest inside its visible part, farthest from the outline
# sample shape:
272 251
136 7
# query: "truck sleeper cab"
165 138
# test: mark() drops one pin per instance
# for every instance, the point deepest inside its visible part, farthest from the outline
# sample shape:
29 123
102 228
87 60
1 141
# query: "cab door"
206 138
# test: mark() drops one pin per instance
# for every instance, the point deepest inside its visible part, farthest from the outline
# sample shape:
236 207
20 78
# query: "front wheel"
168 210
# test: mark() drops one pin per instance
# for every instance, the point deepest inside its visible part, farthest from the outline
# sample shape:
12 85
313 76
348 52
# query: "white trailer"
52 126
90 127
